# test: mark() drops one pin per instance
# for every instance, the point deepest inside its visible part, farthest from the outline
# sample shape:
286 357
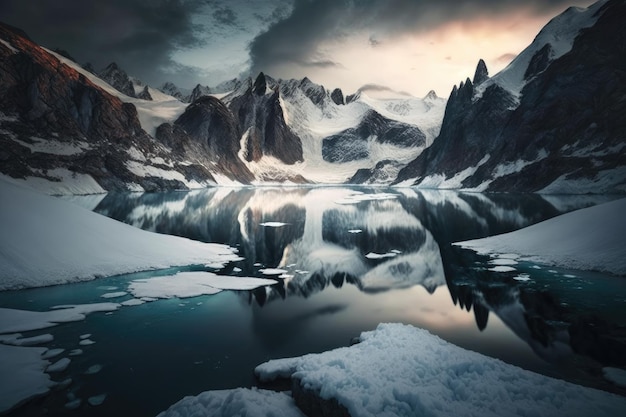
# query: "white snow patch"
17 340
604 182
59 366
502 269
442 182
522 277
133 302
273 224
92 245
62 182
24 320
593 238
560 33
251 402
22 375
114 294
8 45
400 370
273 271
355 231
54 147
192 284
373 255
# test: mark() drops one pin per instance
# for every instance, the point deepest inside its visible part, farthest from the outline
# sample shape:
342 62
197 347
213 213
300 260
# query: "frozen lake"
341 261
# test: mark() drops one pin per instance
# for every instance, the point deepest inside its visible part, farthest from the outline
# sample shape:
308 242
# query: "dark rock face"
481 73
145 94
352 144
118 79
199 91
566 124
47 102
337 96
260 118
172 90
208 133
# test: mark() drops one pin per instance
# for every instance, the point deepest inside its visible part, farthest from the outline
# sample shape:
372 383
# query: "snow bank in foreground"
237 402
47 241
400 370
590 239
22 375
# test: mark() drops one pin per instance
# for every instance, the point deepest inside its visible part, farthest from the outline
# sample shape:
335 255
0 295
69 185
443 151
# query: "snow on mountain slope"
559 34
314 122
163 108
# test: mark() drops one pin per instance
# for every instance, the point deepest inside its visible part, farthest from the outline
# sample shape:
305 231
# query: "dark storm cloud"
295 38
140 35
225 16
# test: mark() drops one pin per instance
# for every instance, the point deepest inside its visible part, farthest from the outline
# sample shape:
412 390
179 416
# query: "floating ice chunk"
86 342
258 264
569 276
114 294
76 352
193 284
251 402
396 251
522 277
355 231
16 340
93 369
24 320
502 269
107 288
273 224
85 336
133 302
96 400
22 376
74 404
59 366
273 271
373 255
51 353
236 269
503 261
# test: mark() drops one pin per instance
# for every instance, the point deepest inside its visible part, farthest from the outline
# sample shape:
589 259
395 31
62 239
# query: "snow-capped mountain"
118 79
64 130
551 121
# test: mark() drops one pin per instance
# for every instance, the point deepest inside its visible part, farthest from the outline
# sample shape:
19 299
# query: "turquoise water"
354 258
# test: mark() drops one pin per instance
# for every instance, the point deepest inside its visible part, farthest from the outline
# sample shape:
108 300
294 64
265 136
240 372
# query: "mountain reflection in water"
379 240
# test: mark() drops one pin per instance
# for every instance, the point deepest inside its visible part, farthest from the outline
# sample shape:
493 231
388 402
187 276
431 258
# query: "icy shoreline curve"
589 239
401 370
47 241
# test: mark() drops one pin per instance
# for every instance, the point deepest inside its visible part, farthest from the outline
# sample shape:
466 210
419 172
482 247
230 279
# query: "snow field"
593 238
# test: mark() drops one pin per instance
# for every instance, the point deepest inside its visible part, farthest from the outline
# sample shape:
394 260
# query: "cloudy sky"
408 45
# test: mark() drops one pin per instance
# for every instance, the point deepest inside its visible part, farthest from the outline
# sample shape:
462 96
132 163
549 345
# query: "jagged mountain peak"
118 79
432 95
260 85
481 74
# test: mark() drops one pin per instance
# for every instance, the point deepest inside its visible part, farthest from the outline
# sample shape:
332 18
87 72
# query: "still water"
352 258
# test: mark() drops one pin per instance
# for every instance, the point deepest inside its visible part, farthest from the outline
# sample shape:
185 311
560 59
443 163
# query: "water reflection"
380 240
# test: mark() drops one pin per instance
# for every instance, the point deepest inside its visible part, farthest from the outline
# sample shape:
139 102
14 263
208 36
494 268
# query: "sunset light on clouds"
412 46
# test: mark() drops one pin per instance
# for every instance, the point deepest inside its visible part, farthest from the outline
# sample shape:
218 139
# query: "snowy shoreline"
401 370
593 238
46 241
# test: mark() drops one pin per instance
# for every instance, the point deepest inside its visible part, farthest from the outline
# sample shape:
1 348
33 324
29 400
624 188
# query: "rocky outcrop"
172 90
337 96
145 94
118 79
57 125
199 91
352 144
261 120
562 133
